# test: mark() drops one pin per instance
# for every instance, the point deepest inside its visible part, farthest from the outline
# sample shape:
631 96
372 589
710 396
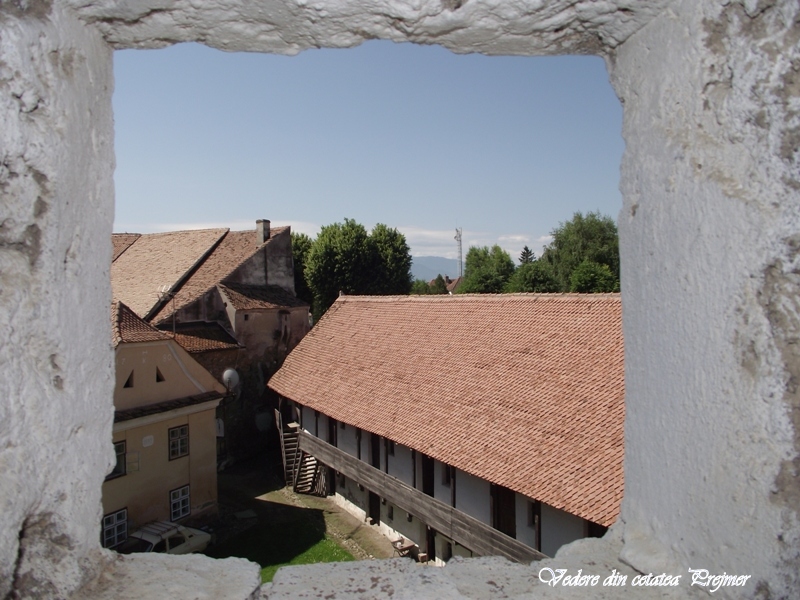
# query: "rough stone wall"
709 242
490 26
711 293
56 360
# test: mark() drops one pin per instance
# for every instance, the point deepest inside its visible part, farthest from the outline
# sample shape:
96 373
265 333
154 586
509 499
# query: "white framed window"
115 528
179 503
178 442
119 468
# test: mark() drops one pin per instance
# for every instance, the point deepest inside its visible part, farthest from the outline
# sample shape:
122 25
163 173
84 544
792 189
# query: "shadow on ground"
262 522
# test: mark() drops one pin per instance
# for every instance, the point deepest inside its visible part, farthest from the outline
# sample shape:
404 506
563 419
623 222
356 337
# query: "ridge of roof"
523 390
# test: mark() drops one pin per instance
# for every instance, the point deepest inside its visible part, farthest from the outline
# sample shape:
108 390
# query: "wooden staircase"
302 471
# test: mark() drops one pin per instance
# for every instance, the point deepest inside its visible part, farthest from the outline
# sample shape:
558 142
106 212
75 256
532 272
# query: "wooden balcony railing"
467 531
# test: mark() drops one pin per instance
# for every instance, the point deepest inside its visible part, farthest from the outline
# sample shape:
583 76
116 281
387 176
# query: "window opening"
119 467
129 381
179 503
115 528
178 442
159 376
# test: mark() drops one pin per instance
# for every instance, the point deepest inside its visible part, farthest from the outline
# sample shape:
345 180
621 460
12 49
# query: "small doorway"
374 508
504 514
427 475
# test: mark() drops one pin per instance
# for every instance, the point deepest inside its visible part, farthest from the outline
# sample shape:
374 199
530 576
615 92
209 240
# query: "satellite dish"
230 378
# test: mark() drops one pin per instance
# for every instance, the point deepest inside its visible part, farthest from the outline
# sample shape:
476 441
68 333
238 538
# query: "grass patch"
325 550
289 535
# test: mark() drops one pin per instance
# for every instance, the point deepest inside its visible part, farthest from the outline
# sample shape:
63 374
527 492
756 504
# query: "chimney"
262 231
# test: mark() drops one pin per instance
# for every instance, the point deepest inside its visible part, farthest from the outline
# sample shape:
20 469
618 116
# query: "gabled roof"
250 297
127 326
202 337
524 390
156 260
233 250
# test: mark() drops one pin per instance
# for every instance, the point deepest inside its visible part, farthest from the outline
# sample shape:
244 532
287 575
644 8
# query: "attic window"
129 381
246 317
159 376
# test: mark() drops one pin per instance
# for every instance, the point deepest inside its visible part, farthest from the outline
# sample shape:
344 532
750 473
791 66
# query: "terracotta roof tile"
122 241
202 337
234 249
524 390
156 260
250 297
127 326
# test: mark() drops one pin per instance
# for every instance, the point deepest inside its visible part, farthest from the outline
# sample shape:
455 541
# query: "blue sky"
412 136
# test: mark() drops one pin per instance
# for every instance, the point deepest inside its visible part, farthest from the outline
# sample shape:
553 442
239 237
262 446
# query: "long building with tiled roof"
523 391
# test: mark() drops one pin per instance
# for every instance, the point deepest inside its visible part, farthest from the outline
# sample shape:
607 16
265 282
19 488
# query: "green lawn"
325 550
288 536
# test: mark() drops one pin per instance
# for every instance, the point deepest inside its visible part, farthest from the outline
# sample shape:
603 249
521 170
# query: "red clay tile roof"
127 326
202 337
156 260
524 390
234 249
121 242
250 297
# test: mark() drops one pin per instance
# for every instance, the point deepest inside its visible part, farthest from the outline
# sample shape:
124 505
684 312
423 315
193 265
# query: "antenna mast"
460 255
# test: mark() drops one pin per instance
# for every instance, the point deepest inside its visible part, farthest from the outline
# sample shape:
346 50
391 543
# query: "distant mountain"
428 267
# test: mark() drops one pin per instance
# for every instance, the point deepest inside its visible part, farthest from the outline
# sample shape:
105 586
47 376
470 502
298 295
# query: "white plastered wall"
709 243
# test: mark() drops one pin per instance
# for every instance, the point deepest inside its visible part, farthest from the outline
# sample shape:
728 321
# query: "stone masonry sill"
195 577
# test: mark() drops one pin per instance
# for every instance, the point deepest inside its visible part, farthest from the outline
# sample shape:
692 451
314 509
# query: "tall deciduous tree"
590 238
301 246
486 270
394 260
346 259
590 278
536 276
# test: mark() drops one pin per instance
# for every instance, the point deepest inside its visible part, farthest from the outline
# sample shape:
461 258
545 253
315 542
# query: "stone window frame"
114 528
178 443
180 505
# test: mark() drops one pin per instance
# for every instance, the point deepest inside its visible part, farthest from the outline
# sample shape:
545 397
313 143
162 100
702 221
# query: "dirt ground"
254 492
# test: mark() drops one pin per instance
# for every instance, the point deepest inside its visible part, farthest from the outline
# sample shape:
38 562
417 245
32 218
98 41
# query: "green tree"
590 277
526 256
394 261
420 287
536 276
584 238
486 270
438 286
346 259
301 245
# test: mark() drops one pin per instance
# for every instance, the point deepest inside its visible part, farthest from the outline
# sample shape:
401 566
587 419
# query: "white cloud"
423 242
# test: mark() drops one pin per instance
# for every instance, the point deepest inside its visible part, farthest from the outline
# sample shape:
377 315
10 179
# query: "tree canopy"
526 256
536 276
591 238
486 270
301 245
345 258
